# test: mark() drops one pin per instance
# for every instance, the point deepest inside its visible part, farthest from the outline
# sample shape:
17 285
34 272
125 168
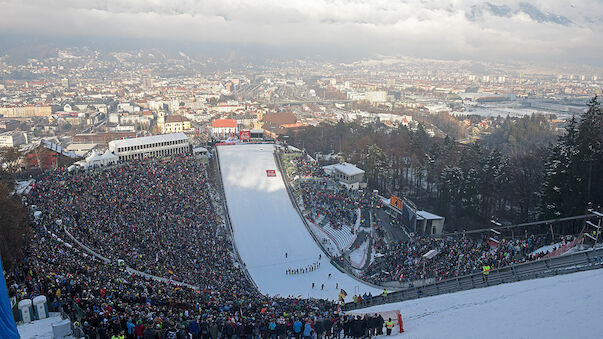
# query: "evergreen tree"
452 188
470 197
377 167
561 187
491 181
573 174
13 226
589 158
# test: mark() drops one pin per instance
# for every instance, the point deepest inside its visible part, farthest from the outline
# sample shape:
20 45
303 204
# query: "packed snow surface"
566 306
266 226
358 256
39 329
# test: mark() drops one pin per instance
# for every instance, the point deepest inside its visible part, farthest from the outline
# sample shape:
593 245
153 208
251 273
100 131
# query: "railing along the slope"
127 268
570 263
278 160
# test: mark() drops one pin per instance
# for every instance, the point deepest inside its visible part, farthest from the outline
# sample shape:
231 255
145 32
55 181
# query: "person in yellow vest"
384 294
389 326
485 272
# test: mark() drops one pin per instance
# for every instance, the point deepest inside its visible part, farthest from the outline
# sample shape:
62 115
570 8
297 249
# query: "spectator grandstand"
404 261
159 216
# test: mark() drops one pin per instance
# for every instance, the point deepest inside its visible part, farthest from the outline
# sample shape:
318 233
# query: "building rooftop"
80 147
428 216
345 168
146 140
224 123
175 118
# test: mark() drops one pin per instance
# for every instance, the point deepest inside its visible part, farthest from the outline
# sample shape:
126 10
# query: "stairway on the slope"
343 237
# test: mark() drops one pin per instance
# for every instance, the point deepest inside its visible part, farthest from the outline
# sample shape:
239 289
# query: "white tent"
109 158
200 150
96 159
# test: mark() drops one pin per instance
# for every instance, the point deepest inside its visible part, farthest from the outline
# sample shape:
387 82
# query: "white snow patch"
358 256
266 226
566 306
547 248
39 329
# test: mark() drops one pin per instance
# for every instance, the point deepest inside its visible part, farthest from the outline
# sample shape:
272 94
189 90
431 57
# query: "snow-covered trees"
574 170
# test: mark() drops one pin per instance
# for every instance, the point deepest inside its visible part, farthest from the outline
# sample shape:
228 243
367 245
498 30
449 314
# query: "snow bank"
358 256
39 329
567 306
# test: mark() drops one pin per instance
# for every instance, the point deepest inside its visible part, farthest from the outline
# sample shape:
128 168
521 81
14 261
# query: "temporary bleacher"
342 238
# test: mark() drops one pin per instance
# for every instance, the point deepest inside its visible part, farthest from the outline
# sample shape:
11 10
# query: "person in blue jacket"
307 330
297 328
194 328
130 326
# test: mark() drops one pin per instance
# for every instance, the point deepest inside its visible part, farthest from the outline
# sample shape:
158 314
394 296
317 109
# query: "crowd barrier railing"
565 264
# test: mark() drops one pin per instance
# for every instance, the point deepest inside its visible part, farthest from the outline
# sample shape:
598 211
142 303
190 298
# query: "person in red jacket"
139 329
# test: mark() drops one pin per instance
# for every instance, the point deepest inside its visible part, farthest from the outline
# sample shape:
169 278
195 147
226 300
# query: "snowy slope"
266 226
566 306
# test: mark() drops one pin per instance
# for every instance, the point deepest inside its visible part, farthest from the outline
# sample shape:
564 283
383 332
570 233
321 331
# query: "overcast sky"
552 30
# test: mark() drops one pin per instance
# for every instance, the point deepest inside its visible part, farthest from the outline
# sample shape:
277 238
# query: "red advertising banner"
244 135
271 173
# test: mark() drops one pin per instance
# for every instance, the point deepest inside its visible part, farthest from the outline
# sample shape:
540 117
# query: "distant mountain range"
572 15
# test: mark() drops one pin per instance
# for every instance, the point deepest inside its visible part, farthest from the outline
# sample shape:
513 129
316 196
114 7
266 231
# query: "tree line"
573 174
516 174
13 222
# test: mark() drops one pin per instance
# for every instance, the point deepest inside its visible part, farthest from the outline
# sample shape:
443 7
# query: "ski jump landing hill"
266 225
564 306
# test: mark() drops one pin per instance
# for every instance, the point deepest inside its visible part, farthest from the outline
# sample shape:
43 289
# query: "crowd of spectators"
104 300
305 167
324 198
157 216
336 206
405 261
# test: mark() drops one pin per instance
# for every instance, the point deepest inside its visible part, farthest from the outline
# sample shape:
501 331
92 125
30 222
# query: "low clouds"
497 30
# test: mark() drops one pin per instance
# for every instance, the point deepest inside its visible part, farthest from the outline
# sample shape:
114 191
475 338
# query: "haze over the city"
535 31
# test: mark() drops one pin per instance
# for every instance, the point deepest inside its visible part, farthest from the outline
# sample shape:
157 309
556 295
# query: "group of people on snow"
310 268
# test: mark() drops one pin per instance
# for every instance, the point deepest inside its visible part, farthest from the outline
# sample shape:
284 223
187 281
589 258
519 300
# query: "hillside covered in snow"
567 306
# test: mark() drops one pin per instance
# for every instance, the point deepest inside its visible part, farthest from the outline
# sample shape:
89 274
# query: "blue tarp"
8 328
